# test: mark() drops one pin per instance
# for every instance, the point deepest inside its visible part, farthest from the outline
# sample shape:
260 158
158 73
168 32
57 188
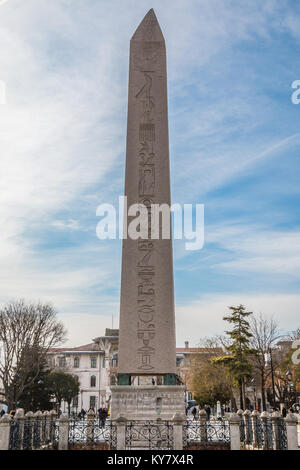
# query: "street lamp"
253 381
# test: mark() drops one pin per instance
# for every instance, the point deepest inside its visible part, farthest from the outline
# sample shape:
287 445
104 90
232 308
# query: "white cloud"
62 132
203 317
256 249
70 224
83 327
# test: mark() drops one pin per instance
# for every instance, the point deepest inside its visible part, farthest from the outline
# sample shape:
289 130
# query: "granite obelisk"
147 322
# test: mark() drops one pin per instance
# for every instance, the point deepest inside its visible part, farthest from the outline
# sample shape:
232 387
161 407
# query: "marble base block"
147 402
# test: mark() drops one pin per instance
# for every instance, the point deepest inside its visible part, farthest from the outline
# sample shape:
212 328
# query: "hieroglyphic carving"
145 265
145 55
148 28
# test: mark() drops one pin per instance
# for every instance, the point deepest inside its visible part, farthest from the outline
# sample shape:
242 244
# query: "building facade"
95 367
91 364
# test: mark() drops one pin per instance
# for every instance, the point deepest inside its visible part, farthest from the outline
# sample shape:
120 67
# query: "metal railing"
149 435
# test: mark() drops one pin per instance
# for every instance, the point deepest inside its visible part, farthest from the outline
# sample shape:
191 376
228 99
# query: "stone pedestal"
147 402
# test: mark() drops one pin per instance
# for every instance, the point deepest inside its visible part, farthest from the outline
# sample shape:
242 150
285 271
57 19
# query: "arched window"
76 378
76 361
93 381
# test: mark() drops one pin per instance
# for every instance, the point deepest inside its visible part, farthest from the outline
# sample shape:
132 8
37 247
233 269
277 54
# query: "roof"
199 350
85 347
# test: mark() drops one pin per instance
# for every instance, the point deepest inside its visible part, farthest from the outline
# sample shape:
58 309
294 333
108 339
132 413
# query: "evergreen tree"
239 351
38 395
64 387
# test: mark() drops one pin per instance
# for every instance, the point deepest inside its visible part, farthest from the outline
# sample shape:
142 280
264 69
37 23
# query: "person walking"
208 412
194 412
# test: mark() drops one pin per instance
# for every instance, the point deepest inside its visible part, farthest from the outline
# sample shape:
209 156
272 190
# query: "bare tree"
265 334
27 332
294 335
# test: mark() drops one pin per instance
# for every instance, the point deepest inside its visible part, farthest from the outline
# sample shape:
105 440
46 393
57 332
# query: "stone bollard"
266 431
248 427
5 423
291 431
46 427
203 430
256 440
234 423
90 426
178 423
63 440
28 431
275 417
242 425
53 417
37 430
121 433
20 418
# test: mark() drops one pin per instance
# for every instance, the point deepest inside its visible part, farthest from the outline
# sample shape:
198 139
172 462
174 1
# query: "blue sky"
234 147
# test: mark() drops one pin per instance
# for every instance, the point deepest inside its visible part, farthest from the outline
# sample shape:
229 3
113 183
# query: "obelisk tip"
148 29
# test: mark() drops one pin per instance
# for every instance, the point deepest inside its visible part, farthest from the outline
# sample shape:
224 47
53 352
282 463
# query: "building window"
75 402
93 381
76 361
115 360
92 402
76 378
103 363
93 362
61 362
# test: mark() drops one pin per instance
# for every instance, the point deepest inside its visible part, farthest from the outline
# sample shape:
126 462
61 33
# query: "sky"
234 147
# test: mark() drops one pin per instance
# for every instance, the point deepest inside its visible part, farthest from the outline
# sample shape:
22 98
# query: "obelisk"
147 383
147 323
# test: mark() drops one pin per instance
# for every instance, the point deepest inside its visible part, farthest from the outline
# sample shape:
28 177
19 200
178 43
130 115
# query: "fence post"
247 420
178 423
63 440
266 431
275 417
291 431
121 431
254 419
90 426
52 424
235 440
202 421
46 424
29 423
37 429
20 417
5 422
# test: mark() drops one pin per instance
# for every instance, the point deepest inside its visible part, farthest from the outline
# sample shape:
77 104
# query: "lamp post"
272 376
253 381
290 387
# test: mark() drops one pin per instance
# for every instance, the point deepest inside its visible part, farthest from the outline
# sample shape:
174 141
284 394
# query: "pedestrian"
194 412
283 412
2 412
208 412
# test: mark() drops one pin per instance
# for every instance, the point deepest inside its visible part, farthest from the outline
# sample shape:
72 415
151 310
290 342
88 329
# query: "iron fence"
210 431
33 433
263 433
152 435
87 432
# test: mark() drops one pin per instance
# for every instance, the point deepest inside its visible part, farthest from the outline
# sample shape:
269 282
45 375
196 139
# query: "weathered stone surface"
147 323
147 402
